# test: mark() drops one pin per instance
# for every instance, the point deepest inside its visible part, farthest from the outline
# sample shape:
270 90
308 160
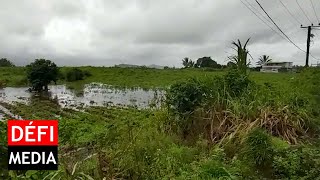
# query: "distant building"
276 67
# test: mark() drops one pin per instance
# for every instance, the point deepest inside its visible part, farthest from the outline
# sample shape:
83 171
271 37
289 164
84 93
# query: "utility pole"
308 42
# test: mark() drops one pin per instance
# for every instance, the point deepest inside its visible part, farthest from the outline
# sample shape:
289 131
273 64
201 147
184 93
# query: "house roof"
278 62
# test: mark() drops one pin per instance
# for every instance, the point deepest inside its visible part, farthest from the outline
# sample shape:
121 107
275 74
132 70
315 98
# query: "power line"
278 26
315 12
282 31
257 10
299 22
260 18
303 12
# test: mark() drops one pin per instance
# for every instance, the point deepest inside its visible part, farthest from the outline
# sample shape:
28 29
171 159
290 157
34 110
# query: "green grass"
13 76
143 78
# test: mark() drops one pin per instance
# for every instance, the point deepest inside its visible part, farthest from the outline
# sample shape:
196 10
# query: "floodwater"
94 94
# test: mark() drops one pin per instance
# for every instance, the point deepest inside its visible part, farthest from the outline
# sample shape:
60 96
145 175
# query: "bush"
236 82
76 74
258 148
212 169
183 98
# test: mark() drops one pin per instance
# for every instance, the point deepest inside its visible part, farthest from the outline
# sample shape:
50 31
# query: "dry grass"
220 126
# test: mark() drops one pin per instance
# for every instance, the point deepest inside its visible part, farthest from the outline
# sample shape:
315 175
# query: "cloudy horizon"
145 32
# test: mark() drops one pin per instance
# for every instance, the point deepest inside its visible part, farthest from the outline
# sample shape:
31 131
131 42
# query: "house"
316 65
276 67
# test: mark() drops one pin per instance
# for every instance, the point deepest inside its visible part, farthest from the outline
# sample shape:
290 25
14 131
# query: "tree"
207 62
187 62
241 58
4 62
263 60
42 72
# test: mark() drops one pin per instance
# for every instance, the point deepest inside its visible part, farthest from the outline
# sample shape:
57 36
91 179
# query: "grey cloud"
108 32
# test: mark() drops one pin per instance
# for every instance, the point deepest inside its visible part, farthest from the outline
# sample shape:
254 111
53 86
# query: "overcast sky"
144 32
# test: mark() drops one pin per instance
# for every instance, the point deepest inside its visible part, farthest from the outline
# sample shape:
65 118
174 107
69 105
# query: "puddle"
94 94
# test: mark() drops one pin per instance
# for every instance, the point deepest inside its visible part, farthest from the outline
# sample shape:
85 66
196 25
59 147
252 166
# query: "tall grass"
233 104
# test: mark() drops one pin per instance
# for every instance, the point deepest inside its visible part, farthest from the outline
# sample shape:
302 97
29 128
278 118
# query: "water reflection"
94 94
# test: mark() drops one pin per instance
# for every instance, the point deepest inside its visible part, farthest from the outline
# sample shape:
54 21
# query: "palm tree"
187 62
263 60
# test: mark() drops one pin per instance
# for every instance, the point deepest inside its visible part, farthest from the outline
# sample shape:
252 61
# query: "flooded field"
94 94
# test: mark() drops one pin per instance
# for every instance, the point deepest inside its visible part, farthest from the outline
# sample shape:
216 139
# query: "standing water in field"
94 94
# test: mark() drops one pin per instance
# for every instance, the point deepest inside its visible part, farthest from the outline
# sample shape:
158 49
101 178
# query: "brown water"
94 94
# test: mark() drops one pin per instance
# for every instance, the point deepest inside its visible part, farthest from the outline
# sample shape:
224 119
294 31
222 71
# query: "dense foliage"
76 74
41 73
207 62
4 62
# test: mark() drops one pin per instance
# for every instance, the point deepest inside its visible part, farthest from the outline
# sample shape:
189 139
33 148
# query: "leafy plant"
236 82
183 98
258 148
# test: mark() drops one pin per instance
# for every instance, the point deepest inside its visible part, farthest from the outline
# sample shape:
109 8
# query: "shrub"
76 74
236 82
212 169
183 98
258 148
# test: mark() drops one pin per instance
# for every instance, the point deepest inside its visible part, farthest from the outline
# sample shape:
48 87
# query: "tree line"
208 62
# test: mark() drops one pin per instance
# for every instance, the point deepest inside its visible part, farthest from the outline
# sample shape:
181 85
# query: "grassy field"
212 128
143 78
